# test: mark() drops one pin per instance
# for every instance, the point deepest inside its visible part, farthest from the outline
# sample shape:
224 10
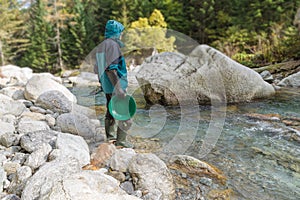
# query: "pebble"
206 181
37 109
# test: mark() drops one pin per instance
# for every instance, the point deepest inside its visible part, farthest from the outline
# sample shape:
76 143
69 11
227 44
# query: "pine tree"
74 36
58 16
39 54
11 26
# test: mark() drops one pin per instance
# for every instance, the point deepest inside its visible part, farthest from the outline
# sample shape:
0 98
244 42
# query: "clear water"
259 157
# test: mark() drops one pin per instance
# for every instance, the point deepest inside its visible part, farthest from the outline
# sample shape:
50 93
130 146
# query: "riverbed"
260 157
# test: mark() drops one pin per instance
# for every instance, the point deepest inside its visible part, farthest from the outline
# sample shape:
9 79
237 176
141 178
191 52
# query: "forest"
55 35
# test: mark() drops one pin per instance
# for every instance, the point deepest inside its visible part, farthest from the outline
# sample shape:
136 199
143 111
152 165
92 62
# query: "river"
259 157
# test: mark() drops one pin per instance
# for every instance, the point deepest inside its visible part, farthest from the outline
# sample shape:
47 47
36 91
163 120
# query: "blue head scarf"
113 30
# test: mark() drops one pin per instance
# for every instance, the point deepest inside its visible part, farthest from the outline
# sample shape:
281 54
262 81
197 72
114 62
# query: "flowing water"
259 157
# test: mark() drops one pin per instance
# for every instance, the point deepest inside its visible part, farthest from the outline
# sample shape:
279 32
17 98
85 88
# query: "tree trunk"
60 61
59 51
1 54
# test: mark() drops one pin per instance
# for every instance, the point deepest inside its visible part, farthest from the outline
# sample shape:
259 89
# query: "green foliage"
12 41
53 34
75 36
39 54
148 34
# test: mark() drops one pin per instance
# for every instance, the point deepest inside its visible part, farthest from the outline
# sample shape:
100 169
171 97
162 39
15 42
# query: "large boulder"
151 174
50 174
39 84
203 76
291 81
89 185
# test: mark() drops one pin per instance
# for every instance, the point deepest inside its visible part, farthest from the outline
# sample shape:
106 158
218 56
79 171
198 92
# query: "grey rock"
54 154
32 116
50 112
11 167
267 76
120 176
27 103
153 195
128 187
9 139
37 109
3 158
13 92
138 193
11 197
9 118
76 124
54 100
85 79
13 149
32 140
291 81
19 181
39 84
39 185
39 156
73 146
26 126
121 158
150 173
19 158
10 106
20 74
205 74
2 177
6 127
206 181
50 120
82 110
89 185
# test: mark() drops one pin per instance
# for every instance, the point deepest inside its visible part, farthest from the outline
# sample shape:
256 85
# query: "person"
112 73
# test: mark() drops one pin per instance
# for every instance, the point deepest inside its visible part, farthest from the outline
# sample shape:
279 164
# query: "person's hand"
120 93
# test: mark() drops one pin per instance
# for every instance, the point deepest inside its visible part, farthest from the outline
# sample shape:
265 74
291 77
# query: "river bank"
52 140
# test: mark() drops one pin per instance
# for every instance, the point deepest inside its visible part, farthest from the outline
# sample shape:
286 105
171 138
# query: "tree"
39 55
74 35
11 26
58 16
148 35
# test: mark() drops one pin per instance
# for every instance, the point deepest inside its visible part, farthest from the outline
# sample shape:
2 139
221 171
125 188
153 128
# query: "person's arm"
114 79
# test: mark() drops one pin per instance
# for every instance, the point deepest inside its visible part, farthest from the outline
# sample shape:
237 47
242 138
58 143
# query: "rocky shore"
53 148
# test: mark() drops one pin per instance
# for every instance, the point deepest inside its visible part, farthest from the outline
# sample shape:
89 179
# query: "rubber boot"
121 136
110 130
